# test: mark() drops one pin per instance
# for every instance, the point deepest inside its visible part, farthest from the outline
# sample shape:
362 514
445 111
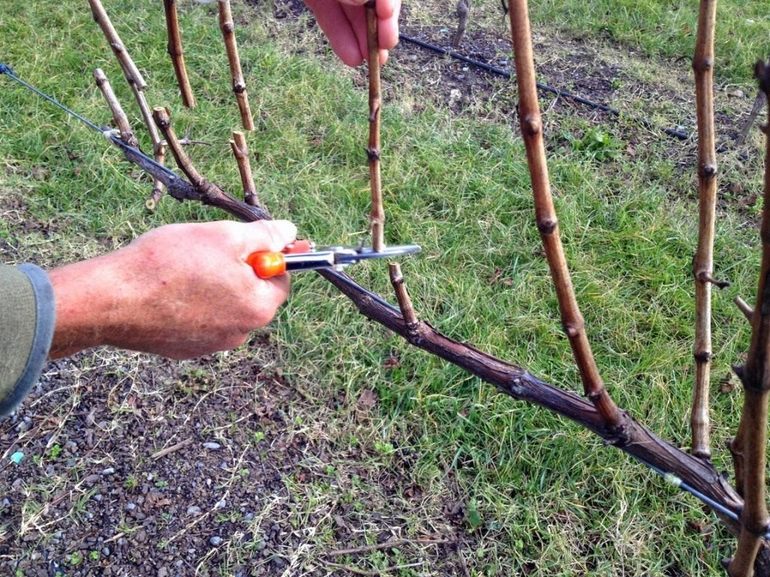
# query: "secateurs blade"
302 255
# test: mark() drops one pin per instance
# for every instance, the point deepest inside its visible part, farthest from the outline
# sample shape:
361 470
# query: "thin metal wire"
8 71
106 132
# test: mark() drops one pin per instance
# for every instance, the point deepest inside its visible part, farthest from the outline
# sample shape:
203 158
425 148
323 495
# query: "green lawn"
538 495
668 28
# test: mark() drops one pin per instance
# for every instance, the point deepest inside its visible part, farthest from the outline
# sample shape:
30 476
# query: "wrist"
90 299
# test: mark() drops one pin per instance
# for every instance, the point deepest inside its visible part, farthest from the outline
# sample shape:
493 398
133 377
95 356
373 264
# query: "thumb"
271 235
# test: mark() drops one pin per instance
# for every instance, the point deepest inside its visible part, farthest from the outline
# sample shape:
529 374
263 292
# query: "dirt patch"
133 465
94 494
14 212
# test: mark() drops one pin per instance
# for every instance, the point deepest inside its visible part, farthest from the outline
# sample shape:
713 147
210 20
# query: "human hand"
344 23
180 291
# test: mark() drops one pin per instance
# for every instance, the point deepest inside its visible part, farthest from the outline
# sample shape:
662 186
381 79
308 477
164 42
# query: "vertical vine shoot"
373 151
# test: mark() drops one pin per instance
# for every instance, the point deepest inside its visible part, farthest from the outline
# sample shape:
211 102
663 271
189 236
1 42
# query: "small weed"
124 527
131 482
258 436
384 448
94 555
75 559
597 144
55 451
473 516
198 375
166 518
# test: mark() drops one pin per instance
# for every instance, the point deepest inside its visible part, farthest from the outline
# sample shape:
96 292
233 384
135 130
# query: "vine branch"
176 52
227 26
545 214
703 264
240 150
755 376
118 115
373 151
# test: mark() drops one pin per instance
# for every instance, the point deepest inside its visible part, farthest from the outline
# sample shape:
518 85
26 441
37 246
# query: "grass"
525 491
657 29
668 29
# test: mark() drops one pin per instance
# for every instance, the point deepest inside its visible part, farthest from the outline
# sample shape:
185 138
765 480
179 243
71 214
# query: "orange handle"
268 264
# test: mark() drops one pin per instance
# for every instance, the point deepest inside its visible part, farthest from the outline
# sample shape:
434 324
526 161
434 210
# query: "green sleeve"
27 320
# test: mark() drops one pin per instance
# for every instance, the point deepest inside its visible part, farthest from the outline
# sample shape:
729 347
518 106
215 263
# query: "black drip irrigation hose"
678 134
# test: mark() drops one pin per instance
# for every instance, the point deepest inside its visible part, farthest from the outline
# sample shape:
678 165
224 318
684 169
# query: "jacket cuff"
31 318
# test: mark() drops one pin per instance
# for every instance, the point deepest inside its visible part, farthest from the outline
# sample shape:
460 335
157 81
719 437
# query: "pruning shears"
303 255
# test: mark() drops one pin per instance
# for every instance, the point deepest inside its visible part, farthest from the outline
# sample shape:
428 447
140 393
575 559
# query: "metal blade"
366 253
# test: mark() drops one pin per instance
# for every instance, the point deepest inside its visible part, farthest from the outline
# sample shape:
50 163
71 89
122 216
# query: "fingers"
344 23
356 17
272 235
332 20
387 26
387 14
268 297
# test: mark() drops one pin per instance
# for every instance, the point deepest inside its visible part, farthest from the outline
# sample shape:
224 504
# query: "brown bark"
547 224
118 115
227 26
751 442
373 151
240 150
176 52
703 264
